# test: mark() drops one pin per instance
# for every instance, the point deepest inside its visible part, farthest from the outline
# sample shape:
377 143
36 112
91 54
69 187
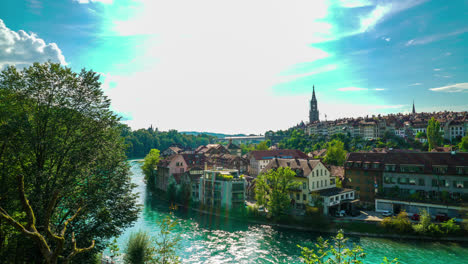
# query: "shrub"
139 249
399 223
450 227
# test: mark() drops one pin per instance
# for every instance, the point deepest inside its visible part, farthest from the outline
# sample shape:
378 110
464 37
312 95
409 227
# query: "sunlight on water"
208 239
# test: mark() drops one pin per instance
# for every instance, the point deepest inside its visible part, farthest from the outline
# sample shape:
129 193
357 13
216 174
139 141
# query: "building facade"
435 181
222 188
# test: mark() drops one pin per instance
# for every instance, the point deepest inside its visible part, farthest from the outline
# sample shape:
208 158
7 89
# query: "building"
234 149
259 159
435 181
171 151
318 186
222 188
173 168
313 112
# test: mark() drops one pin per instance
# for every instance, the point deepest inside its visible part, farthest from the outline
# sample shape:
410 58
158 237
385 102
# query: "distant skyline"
248 66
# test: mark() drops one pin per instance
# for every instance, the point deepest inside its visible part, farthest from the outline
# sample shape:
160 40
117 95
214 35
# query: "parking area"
370 216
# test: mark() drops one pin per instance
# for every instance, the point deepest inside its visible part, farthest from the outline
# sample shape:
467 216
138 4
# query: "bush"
139 249
399 223
450 227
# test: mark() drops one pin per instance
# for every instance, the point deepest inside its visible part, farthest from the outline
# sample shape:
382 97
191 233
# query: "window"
332 199
342 196
304 186
347 195
434 183
297 197
304 197
313 185
313 173
421 182
412 181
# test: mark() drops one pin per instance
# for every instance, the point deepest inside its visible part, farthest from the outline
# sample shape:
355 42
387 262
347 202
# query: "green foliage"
272 190
336 155
463 145
139 249
142 248
336 253
140 142
434 136
399 223
58 133
166 242
150 164
262 146
450 227
424 222
114 249
246 148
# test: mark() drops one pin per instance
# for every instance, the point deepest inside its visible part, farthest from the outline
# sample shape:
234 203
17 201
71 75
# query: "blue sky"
249 66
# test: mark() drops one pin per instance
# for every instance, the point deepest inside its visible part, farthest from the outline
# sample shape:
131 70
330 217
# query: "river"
209 239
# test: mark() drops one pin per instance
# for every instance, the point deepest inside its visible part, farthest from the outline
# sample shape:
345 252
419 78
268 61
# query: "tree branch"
77 250
26 206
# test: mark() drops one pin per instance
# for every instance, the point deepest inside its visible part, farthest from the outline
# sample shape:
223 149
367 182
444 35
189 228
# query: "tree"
272 189
463 146
336 155
338 253
150 164
262 146
434 135
62 155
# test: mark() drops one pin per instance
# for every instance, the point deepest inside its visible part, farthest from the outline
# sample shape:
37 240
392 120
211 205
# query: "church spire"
414 110
313 112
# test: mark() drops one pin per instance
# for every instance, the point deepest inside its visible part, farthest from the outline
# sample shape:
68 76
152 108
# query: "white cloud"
351 89
415 84
436 37
21 49
379 89
437 69
453 88
385 9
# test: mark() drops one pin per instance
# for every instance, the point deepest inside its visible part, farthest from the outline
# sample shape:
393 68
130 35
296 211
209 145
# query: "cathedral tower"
414 110
313 112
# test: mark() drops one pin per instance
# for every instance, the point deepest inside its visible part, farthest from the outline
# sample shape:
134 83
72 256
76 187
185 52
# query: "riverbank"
317 224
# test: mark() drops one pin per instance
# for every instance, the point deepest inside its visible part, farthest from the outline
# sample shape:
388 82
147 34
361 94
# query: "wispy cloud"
385 10
437 69
415 84
435 37
453 88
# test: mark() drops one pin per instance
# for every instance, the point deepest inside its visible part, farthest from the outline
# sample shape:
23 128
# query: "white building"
222 188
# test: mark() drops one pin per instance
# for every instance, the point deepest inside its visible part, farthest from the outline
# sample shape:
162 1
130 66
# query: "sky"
248 66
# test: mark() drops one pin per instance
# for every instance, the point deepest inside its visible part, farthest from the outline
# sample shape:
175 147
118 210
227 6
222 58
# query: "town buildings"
259 159
318 186
454 125
222 188
435 181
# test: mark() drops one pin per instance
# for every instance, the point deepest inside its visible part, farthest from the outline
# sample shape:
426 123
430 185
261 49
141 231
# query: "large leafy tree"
336 154
65 180
434 136
272 189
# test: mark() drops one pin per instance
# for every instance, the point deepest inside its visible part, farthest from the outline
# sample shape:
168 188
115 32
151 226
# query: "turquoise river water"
209 239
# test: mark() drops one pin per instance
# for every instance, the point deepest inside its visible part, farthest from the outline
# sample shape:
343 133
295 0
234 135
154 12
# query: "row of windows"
422 182
322 173
319 184
343 197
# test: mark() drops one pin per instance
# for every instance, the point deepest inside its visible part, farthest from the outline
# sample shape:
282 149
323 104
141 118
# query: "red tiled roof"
279 153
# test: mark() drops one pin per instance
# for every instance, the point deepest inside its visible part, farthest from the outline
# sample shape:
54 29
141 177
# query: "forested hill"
141 141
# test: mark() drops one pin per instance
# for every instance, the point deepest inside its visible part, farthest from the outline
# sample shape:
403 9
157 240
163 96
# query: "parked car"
387 213
415 217
442 217
341 213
